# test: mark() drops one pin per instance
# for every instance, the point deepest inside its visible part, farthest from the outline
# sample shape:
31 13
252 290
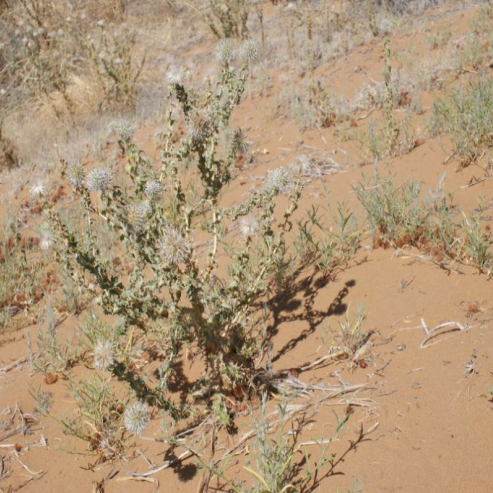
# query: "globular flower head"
103 354
226 51
137 217
279 180
76 175
249 227
249 51
199 127
123 129
38 189
174 247
153 190
100 180
136 418
175 76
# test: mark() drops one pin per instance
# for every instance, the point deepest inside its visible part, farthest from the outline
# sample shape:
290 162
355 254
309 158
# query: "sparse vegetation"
186 243
466 114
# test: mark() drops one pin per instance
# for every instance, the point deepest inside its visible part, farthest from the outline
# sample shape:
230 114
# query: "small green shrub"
478 244
329 247
350 336
467 115
399 216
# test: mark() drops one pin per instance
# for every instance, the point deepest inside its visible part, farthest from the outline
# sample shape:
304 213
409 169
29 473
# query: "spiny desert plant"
169 288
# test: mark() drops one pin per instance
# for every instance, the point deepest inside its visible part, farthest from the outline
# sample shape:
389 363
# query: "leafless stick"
167 464
13 365
431 333
11 433
322 359
34 473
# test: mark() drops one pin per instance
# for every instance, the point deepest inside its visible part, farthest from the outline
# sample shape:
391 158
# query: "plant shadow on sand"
285 304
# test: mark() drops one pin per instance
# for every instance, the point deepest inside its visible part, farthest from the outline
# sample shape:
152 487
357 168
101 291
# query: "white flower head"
249 51
99 180
279 180
175 76
136 418
226 51
249 227
46 238
123 129
38 189
153 190
174 247
76 175
103 354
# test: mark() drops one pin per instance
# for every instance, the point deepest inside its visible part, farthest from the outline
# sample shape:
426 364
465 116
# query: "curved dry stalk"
432 333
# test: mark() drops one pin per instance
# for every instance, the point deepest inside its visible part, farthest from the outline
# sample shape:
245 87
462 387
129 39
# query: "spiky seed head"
153 190
100 180
38 189
76 175
199 127
226 51
46 238
279 180
123 129
136 418
103 354
174 247
137 217
249 51
238 141
249 227
175 76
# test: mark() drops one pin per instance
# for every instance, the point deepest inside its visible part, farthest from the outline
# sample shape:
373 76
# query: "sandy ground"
423 421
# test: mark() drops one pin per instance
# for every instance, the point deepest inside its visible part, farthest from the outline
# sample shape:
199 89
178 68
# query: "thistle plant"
170 290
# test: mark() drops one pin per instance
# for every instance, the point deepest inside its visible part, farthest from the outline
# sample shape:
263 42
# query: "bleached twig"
431 333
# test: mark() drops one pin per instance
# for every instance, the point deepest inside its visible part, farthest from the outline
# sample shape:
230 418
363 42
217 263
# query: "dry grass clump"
51 50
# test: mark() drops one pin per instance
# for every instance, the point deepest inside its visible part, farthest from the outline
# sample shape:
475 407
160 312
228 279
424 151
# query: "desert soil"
423 420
